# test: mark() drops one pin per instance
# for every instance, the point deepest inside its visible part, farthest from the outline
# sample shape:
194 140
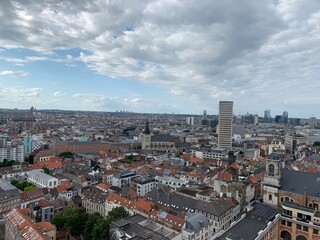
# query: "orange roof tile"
144 205
227 177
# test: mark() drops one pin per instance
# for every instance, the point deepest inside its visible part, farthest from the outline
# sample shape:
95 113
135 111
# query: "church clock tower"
271 182
146 137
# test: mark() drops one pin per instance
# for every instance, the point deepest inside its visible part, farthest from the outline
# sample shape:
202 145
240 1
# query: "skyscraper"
267 116
225 124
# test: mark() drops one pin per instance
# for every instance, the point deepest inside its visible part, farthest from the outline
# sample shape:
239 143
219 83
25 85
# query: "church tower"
271 182
146 137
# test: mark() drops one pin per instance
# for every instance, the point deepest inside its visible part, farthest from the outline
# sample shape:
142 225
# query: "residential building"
221 212
94 201
9 196
197 227
18 226
225 124
42 180
292 140
12 151
261 222
139 227
171 181
144 184
123 179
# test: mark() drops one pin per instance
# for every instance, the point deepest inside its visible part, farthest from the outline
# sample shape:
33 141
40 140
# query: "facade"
221 212
225 124
292 140
171 181
94 201
271 182
261 222
42 180
161 143
123 179
9 196
210 153
299 222
197 227
19 226
144 184
81 147
12 152
27 142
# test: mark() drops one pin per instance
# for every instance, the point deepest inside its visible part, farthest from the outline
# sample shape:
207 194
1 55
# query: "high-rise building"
225 124
267 116
204 115
285 117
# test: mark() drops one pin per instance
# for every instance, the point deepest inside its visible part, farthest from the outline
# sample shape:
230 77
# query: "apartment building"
18 226
9 196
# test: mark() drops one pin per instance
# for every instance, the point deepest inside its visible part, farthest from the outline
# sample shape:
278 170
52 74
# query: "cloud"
13 73
240 51
17 94
57 94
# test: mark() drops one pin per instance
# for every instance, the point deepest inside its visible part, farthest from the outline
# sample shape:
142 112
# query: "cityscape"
159 120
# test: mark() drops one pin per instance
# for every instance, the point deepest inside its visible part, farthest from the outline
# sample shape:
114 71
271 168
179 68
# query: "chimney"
305 196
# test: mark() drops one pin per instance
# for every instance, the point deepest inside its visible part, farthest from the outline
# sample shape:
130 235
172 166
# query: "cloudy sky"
161 56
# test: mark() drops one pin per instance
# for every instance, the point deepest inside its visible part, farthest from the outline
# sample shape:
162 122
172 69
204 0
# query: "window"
270 197
289 224
271 170
305 228
299 226
283 222
315 231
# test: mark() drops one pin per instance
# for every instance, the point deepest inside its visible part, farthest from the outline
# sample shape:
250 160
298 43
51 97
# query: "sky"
161 56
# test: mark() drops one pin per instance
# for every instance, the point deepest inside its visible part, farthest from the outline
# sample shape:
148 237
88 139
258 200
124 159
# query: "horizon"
161 57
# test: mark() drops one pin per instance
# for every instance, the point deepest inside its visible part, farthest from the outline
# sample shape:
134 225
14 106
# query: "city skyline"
161 57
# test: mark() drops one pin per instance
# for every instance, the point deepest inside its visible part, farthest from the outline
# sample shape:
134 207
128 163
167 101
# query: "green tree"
317 143
66 155
101 229
118 213
93 219
29 187
46 170
59 220
76 219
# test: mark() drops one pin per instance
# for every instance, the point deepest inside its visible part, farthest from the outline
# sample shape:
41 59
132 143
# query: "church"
161 143
298 194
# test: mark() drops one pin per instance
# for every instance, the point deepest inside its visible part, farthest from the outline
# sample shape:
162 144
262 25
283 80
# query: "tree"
29 187
46 170
101 229
118 213
59 220
93 219
317 143
66 155
76 219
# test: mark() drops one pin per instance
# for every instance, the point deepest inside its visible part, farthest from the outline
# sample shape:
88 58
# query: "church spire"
147 130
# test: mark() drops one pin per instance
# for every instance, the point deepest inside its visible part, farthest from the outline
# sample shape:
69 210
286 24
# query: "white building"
144 184
10 152
210 153
41 179
123 179
171 181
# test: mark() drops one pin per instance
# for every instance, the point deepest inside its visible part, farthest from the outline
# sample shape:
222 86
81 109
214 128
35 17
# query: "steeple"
147 130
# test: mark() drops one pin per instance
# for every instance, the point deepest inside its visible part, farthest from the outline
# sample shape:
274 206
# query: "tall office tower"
204 115
267 116
285 117
225 124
